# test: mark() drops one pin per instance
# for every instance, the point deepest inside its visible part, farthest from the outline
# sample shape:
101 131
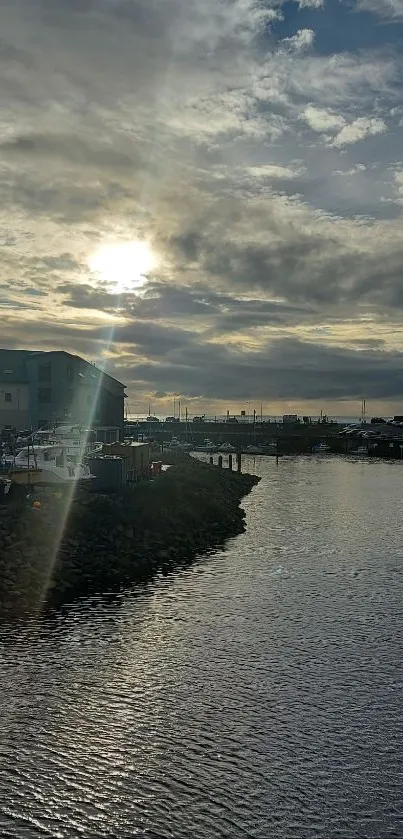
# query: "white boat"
47 465
360 451
207 446
78 442
321 448
178 445
253 450
226 447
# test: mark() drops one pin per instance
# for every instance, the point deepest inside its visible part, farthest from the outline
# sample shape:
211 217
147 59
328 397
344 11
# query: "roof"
15 361
94 371
12 366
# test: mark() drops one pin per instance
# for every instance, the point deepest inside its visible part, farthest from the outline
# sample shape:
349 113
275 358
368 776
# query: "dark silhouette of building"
59 388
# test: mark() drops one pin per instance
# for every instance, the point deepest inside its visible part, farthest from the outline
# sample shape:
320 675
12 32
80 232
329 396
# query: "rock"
110 541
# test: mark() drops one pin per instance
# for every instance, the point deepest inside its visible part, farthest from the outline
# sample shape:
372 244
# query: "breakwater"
91 543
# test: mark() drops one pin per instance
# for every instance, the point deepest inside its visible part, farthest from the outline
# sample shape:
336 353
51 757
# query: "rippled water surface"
256 694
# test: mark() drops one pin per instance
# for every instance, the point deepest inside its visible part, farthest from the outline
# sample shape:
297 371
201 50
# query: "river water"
256 694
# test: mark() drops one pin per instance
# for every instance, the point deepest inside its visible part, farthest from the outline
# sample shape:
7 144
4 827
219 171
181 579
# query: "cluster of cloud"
260 160
342 132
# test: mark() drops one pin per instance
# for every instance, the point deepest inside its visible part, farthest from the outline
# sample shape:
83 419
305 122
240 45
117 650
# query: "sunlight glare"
123 266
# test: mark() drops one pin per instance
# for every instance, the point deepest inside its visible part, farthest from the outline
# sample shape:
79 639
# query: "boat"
47 465
360 451
226 447
253 450
321 448
177 445
24 476
207 446
79 442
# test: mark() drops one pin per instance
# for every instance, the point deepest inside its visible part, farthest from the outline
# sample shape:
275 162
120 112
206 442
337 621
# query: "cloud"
327 122
398 178
383 8
227 137
330 373
321 120
302 40
271 171
358 129
310 4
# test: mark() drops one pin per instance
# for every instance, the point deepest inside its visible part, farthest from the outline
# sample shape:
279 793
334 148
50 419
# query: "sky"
205 197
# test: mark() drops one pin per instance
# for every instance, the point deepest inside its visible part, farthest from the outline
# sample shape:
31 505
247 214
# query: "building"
137 456
14 391
56 388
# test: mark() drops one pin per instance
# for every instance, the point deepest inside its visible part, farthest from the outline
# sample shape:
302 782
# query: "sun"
123 266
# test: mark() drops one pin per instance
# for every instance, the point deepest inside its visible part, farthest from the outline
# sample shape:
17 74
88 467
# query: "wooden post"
211 460
277 450
220 460
239 461
230 462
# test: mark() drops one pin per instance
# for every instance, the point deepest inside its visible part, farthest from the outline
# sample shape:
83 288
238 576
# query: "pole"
179 410
261 412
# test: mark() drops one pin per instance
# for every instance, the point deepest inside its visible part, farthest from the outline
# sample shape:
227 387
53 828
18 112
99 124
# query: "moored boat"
178 445
360 451
226 447
321 448
207 446
47 465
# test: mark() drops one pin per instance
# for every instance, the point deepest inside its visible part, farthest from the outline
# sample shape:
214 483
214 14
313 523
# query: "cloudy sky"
205 196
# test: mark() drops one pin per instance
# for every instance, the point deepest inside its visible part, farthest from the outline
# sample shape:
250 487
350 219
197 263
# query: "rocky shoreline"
53 553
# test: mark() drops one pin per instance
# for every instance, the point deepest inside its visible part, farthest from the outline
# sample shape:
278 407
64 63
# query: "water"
256 694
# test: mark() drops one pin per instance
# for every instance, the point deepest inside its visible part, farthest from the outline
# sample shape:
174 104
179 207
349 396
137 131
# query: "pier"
382 439
291 438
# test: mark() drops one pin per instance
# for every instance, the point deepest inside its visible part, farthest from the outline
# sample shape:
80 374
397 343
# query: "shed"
137 455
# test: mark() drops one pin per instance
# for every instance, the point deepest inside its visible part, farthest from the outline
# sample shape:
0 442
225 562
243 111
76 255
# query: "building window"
7 397
44 394
44 373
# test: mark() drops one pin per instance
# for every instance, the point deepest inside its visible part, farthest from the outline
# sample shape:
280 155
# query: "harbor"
288 436
74 456
214 692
